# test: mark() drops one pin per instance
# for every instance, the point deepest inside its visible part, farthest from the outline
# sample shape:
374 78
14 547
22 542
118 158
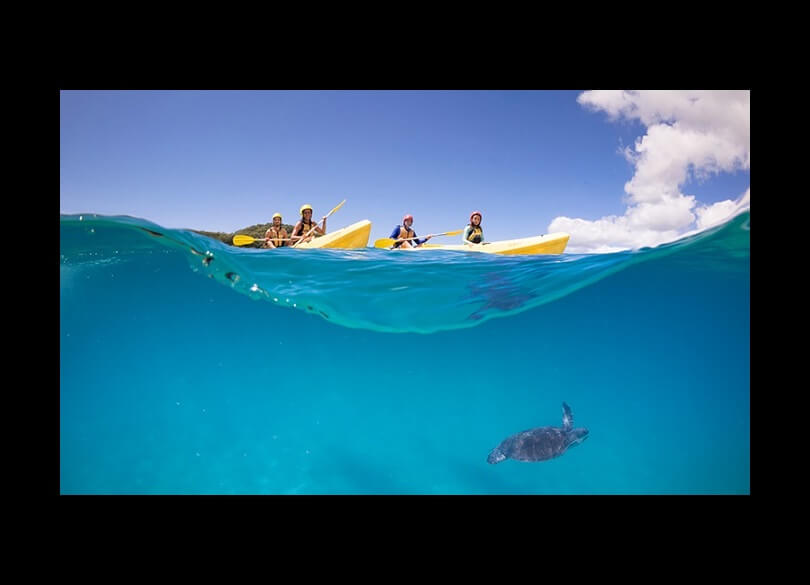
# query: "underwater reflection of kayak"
353 236
547 244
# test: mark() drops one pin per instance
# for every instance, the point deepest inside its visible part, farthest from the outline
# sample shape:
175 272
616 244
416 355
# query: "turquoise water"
192 367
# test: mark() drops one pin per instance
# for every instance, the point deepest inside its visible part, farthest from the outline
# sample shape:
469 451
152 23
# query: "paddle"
243 240
338 206
388 242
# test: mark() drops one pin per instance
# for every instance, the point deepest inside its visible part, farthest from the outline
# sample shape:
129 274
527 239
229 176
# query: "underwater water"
191 367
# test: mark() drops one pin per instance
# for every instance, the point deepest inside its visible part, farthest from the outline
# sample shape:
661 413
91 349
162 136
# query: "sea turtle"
542 443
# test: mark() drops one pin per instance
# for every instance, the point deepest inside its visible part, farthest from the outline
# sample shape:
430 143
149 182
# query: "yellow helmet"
276 215
305 206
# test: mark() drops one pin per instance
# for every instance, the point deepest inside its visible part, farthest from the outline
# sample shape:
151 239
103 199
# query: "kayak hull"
546 244
350 237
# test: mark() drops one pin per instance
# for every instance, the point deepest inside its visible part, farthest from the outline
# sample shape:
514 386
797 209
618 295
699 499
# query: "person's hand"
427 238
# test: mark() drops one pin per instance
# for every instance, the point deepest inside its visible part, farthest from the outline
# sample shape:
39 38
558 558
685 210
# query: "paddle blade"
453 233
339 205
242 240
384 243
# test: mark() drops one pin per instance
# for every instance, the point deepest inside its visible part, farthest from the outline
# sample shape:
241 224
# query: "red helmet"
409 216
478 213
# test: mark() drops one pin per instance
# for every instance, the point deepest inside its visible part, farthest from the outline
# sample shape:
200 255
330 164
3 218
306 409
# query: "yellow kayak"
353 236
547 244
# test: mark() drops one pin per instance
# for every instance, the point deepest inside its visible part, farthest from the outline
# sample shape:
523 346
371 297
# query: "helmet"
305 206
276 215
478 213
409 216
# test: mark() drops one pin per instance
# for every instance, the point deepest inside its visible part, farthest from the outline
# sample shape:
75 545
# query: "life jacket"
404 233
476 235
305 228
278 242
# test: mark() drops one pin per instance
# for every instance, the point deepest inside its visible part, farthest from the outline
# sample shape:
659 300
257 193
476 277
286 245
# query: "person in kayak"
305 224
404 231
473 233
275 236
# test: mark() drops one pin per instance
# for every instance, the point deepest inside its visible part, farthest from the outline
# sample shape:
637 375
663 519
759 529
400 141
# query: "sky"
616 169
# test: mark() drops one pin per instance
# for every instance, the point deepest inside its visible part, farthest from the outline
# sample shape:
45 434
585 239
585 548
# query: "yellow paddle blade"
242 240
384 243
454 233
339 205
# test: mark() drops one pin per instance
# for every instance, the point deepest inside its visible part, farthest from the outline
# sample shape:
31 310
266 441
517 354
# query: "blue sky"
223 160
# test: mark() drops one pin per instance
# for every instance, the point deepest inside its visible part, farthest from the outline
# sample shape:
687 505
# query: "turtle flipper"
568 418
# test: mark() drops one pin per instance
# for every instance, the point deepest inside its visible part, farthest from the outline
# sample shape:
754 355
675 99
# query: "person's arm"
321 231
419 242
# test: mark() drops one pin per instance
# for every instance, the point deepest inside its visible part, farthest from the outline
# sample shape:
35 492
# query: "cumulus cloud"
690 134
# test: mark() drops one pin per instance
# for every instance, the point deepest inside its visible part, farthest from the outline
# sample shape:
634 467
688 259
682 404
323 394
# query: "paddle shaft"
453 233
387 242
244 240
304 237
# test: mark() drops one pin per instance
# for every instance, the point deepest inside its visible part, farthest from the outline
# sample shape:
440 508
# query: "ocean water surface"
191 367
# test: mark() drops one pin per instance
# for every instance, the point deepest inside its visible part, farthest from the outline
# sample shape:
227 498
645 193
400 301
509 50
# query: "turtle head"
576 436
496 456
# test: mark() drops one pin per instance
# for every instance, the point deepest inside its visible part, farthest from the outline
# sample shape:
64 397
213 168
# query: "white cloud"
690 134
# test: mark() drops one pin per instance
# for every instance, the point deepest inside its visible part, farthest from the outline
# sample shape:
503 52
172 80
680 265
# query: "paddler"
305 224
404 231
473 233
276 234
